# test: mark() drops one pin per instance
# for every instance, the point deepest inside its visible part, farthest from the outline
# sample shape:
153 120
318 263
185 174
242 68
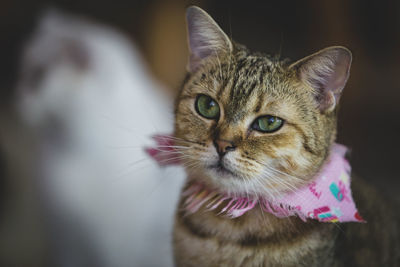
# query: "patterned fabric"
326 199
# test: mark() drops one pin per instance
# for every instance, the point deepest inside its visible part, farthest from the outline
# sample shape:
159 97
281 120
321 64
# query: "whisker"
285 185
174 138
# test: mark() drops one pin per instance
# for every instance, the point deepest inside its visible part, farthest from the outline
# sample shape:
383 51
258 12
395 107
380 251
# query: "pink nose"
223 146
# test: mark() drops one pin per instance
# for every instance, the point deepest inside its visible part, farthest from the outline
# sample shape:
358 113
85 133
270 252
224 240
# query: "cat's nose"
223 146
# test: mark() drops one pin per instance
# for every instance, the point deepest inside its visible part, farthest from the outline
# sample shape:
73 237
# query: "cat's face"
251 124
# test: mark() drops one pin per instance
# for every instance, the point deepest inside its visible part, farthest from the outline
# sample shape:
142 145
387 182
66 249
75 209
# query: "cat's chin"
220 171
220 177
224 180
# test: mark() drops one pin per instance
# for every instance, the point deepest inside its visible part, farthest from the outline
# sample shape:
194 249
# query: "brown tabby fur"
247 85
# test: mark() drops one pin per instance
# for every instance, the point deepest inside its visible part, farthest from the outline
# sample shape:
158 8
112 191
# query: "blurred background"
369 119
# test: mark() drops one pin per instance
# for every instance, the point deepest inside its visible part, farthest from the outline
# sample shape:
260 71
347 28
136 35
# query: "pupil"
271 120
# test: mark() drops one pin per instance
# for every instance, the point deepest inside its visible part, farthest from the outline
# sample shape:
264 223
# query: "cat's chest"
205 240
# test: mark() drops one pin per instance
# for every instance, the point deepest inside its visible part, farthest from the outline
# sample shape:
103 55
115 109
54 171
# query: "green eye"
207 107
267 124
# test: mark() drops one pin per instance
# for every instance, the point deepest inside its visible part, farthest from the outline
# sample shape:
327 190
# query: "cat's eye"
207 107
267 124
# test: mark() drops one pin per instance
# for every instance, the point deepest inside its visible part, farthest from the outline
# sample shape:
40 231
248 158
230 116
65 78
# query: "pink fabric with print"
327 198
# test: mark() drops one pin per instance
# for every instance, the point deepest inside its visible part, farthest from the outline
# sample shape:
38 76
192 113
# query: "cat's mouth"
221 169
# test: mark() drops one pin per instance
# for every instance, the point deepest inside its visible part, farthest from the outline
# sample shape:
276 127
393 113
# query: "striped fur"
247 85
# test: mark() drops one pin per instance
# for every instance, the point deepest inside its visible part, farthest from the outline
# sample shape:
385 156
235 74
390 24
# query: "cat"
90 105
252 125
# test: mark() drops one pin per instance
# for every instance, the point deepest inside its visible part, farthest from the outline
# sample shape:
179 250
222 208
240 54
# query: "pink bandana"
326 199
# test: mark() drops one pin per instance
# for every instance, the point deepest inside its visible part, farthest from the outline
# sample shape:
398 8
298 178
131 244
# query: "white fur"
91 120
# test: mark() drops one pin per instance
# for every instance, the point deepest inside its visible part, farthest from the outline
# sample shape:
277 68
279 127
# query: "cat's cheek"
210 159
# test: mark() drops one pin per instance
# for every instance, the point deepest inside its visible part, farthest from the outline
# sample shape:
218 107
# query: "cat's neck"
252 228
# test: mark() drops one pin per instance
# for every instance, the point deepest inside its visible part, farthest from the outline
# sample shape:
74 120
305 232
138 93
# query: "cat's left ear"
205 37
326 72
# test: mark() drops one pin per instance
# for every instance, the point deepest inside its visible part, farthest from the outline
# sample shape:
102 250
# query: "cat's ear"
326 72
205 37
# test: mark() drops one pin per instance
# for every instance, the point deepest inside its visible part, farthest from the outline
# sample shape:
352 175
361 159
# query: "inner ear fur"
205 37
327 72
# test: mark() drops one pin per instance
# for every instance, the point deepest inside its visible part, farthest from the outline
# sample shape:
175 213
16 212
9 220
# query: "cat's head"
248 123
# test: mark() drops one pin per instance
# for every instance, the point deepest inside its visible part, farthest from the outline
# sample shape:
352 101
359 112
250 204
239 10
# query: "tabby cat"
251 124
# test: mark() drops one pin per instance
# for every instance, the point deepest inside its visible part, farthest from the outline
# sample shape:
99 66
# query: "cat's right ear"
205 37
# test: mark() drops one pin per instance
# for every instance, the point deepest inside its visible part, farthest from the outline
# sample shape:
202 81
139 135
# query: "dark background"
369 117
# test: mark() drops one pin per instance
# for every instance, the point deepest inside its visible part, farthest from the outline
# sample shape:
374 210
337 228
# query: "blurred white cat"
92 106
